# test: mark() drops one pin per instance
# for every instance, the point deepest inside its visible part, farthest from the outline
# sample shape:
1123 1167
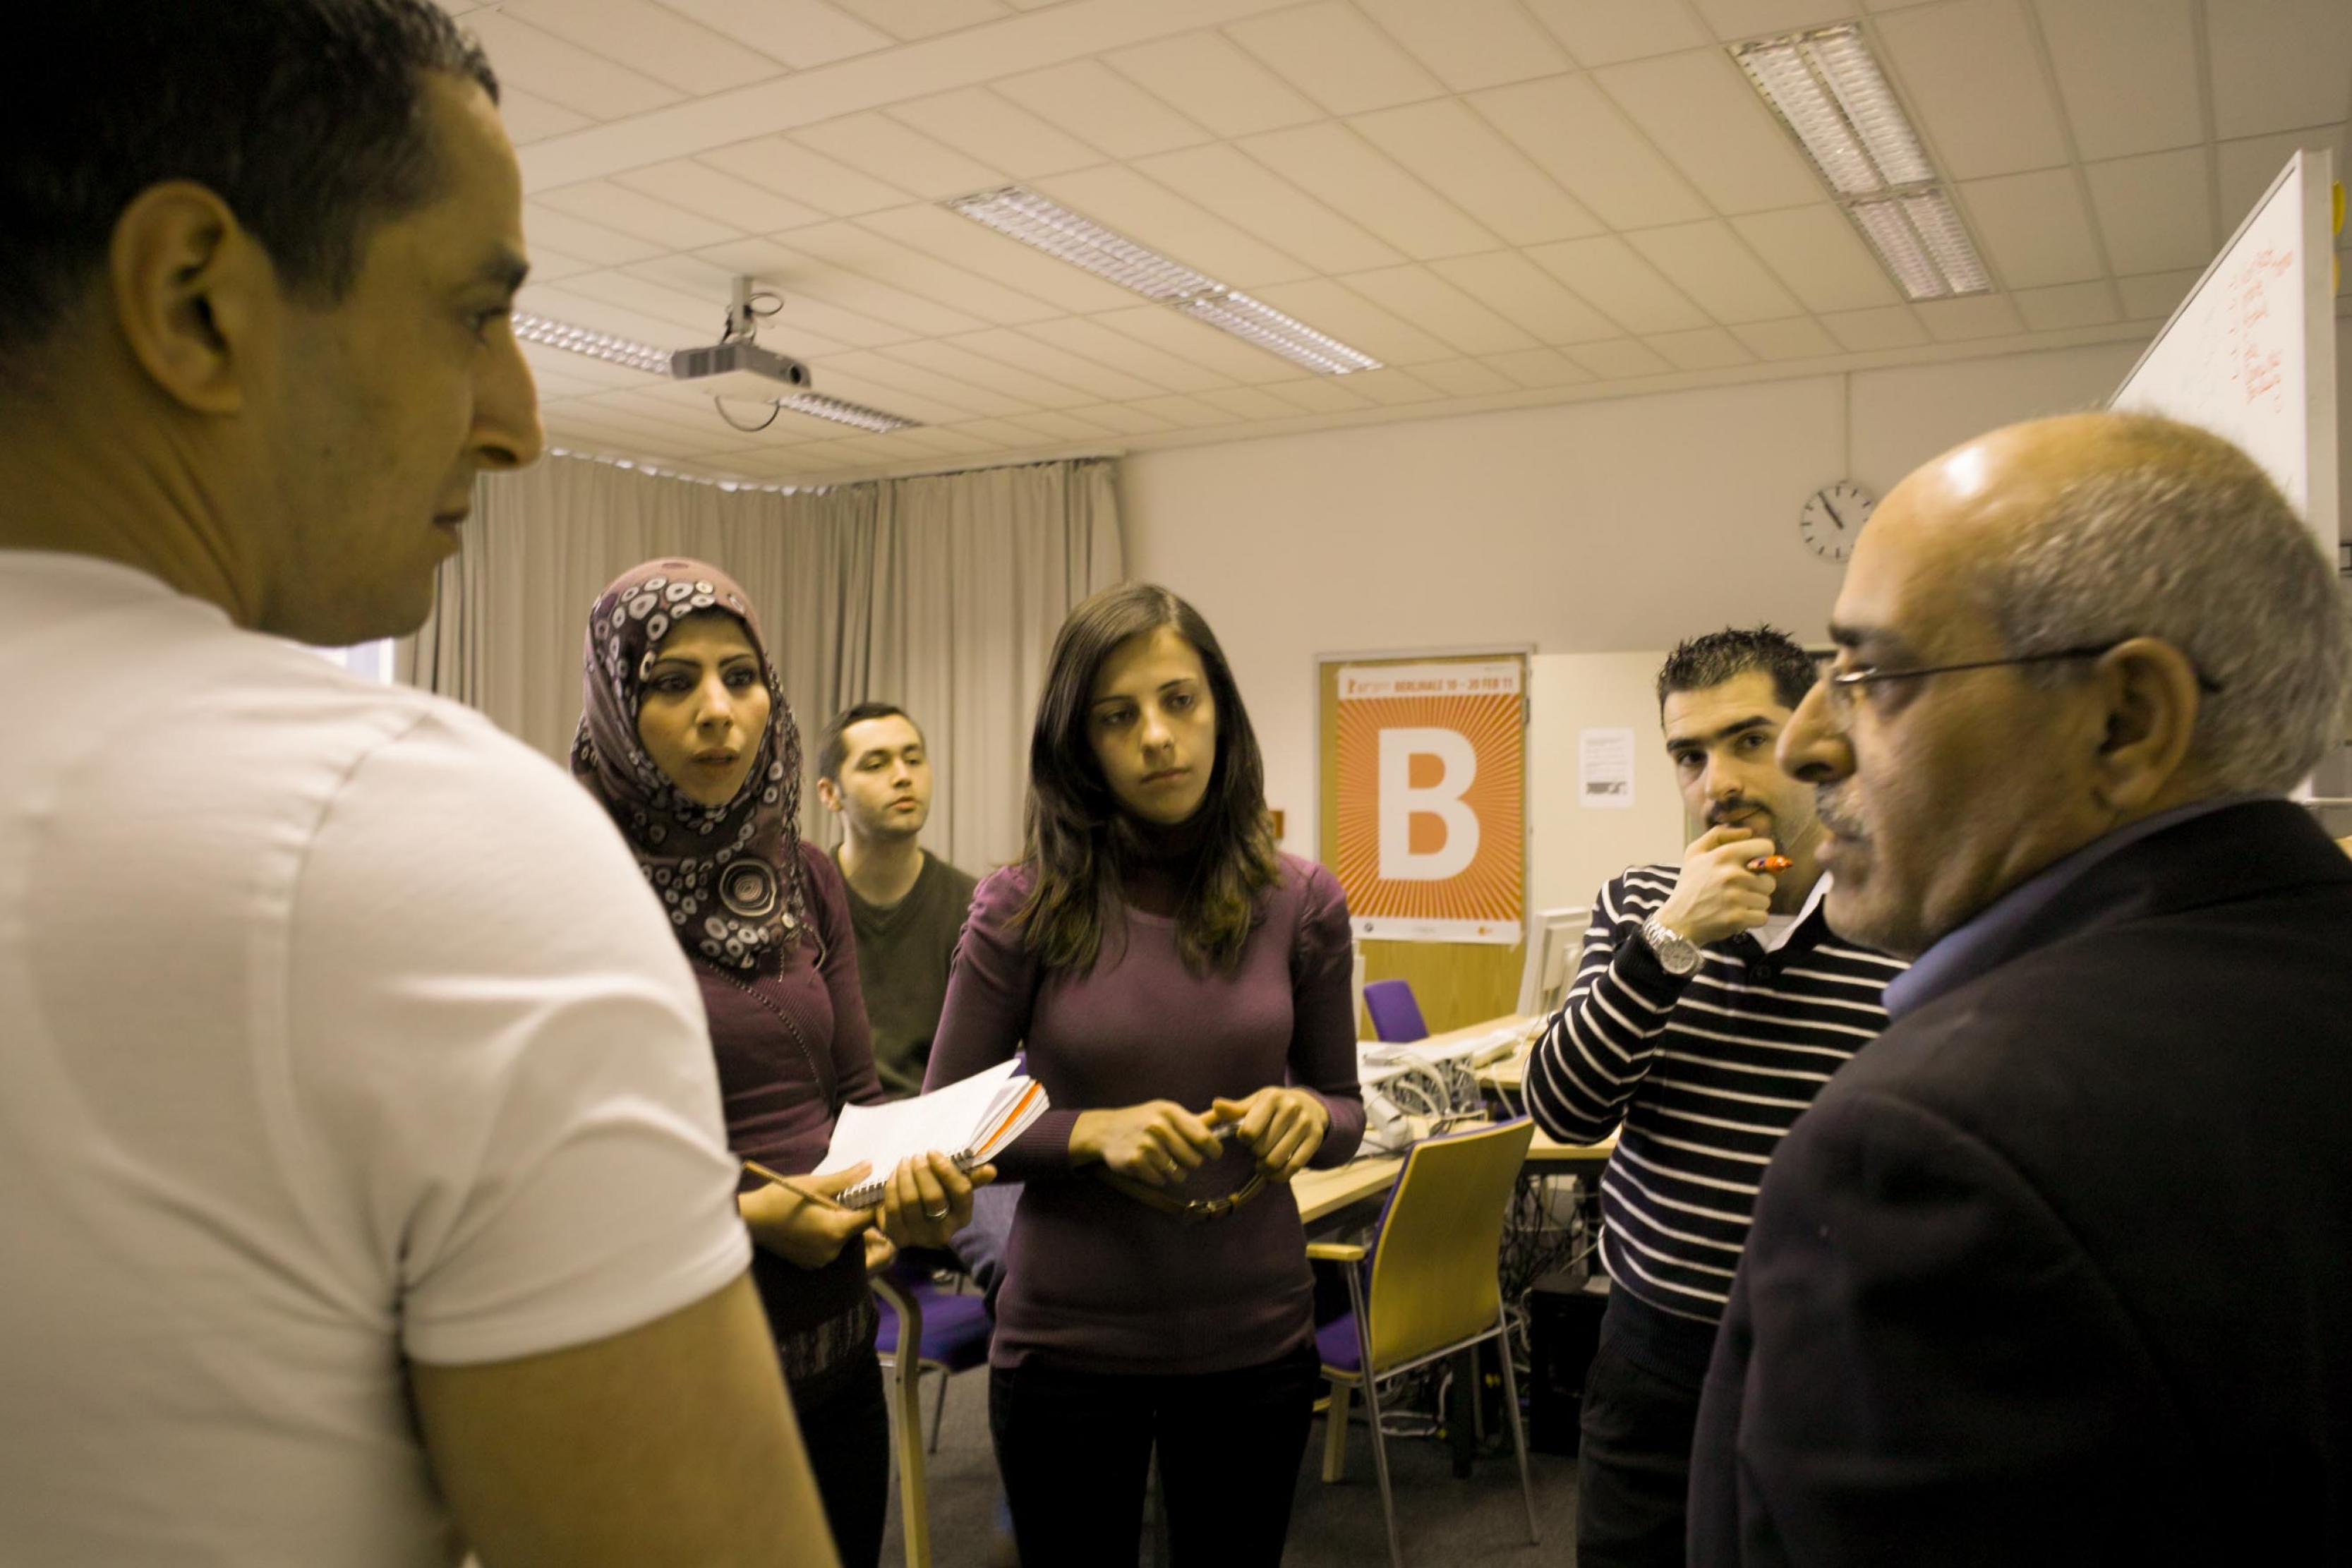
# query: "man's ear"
830 793
2151 698
191 290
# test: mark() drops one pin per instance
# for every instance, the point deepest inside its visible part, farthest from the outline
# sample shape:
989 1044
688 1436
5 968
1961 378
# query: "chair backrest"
1356 982
1554 937
1396 1017
1433 1271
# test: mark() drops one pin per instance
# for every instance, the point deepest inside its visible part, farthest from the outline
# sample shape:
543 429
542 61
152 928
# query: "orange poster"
1432 800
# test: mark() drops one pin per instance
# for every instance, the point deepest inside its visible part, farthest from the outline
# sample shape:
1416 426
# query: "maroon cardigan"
792 1047
1095 1280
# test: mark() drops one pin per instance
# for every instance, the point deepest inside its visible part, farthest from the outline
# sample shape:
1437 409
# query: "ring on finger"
941 1213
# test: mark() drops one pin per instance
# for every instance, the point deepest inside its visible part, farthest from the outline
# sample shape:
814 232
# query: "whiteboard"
2250 353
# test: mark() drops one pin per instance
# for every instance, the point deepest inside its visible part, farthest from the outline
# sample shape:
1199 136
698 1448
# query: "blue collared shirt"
1950 961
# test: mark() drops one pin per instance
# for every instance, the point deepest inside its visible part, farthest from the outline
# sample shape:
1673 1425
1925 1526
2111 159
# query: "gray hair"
2174 532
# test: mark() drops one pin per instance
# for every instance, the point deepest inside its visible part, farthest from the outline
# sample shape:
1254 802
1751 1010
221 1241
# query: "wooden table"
1322 1194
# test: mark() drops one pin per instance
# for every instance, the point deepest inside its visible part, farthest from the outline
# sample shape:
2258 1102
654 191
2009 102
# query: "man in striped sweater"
1711 1005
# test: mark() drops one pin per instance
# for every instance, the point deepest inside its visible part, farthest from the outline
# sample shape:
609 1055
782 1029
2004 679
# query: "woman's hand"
1282 1126
879 1253
1156 1142
928 1200
798 1220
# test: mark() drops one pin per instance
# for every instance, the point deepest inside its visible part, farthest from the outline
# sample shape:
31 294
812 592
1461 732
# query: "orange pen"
1770 863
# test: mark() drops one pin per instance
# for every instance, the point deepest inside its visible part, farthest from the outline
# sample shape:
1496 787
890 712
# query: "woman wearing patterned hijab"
686 737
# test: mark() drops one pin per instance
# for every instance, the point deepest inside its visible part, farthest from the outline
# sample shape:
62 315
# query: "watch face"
1833 517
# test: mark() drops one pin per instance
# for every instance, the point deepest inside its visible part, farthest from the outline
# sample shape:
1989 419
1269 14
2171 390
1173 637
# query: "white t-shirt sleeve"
492 1021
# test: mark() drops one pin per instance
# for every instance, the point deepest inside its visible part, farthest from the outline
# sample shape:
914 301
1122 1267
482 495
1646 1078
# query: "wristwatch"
1675 954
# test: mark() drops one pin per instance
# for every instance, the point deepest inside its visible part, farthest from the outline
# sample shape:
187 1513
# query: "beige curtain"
939 594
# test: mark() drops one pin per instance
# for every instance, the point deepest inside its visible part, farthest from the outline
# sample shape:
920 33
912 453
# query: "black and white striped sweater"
1706 1074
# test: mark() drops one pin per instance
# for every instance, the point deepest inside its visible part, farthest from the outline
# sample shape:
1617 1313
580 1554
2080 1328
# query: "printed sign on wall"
1431 830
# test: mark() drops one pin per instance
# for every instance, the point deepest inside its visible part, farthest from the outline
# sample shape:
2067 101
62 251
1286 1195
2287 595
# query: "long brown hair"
1079 841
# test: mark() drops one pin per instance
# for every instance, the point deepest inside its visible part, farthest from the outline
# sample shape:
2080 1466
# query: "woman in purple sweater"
686 737
1182 991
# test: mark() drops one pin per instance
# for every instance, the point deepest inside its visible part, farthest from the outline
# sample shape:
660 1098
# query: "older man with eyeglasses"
2060 1268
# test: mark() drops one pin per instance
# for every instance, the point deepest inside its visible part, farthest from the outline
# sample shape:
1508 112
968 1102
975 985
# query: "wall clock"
1833 516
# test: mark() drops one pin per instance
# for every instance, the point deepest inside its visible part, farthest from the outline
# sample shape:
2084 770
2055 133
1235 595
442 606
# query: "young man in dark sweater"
906 904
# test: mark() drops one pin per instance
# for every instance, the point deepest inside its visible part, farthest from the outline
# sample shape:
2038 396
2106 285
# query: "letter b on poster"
1430 800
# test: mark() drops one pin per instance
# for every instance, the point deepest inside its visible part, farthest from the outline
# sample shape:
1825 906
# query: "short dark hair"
1718 657
832 750
1079 842
305 117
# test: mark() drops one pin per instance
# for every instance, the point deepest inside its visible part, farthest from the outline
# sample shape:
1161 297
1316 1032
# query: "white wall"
1583 528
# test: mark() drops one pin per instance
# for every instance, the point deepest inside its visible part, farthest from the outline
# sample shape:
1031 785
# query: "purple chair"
1396 1017
951 1335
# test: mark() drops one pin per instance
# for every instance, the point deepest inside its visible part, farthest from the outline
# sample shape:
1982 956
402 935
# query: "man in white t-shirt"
364 1196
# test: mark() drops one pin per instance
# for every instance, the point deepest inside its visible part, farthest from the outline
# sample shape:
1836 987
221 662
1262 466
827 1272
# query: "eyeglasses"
1844 683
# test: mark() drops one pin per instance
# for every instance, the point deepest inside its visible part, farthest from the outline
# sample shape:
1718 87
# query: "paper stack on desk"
969 1122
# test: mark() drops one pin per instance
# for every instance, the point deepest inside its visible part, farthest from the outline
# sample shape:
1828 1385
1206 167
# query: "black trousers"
1074 1449
845 1426
1634 1457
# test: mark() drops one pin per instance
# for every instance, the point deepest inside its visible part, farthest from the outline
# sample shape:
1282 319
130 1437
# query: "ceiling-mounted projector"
739 368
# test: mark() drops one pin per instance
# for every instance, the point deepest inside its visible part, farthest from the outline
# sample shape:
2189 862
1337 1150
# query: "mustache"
1829 807
1717 815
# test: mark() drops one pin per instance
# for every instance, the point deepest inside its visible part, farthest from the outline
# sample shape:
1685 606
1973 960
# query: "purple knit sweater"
1095 1280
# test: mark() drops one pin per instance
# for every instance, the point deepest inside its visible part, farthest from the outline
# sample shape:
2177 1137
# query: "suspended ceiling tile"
942 442
1418 295
2069 305
599 374
2155 210
720 198
550 265
913 386
561 303
1008 346
530 118
1209 77
1102 108
1330 163
1708 262
635 213
1128 418
801 276
554 384
1332 308
1709 348
1527 296
1064 424
1464 377
2034 228
1229 357
1251 403
1609 275
805 176
801 33
979 371
564 73
1975 87
1391 387
1602 32
1619 358
1736 19
1979 316
579 239
1456 151
982 253
1887 327
2153 296
1243 192
1149 213
691 319
2247 167
1816 252
909 19
1091 339
1323 393
877 145
1471 44
2277 64
1798 337
1184 412
651 38
1330 53
1538 368
857 250
1698 110
998 133
1579 138
2127 73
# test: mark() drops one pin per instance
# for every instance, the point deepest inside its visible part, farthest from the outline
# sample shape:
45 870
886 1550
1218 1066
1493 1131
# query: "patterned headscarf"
730 876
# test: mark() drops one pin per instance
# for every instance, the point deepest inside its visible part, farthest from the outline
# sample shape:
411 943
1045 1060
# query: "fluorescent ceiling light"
1070 237
1826 88
657 360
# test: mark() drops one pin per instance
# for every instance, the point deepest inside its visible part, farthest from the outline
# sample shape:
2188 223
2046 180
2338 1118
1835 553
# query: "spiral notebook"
971 1121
